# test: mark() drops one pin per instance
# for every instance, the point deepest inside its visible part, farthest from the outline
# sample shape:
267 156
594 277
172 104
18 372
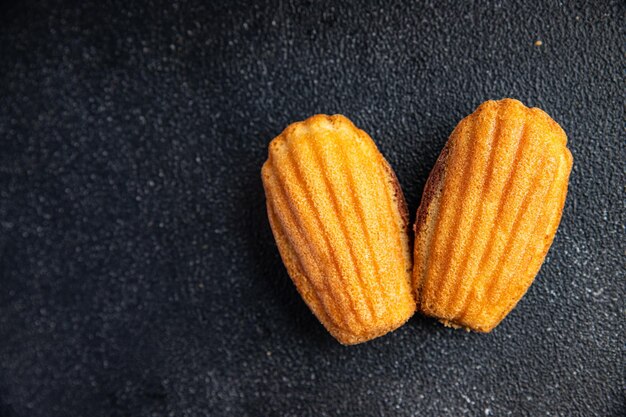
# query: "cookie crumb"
538 42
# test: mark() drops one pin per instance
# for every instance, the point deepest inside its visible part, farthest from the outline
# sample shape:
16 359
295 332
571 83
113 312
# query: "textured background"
138 274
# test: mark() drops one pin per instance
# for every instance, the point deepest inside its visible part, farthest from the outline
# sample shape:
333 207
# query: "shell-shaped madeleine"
339 220
489 212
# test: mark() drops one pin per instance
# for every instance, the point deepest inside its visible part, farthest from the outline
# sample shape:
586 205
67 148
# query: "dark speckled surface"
138 274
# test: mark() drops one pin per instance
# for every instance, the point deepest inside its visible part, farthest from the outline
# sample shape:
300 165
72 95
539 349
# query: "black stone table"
138 274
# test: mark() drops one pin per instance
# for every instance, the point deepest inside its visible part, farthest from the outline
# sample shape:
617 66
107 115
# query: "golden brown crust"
431 189
433 183
398 194
489 214
339 220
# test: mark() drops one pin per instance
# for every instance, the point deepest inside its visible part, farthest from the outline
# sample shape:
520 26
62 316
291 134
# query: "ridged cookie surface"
489 212
339 220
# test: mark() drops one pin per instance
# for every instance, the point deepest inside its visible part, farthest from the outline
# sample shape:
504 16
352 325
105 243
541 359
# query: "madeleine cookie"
489 212
340 222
